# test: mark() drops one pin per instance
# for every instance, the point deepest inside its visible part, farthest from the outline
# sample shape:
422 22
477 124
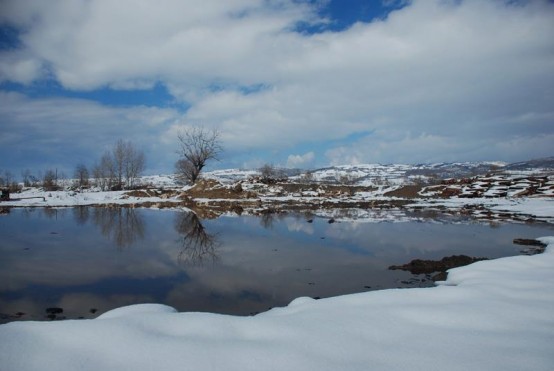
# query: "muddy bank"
420 266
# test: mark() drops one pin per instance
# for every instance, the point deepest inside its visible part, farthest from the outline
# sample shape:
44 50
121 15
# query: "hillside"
368 175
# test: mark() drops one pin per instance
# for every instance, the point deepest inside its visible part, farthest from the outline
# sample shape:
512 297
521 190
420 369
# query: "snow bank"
491 315
37 198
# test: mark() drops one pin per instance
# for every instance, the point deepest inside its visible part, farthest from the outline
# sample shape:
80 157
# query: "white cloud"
434 80
61 132
300 161
19 67
89 44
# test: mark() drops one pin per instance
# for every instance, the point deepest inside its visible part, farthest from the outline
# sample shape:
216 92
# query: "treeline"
50 179
118 168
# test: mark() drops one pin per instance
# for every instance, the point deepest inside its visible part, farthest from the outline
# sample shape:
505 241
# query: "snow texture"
491 315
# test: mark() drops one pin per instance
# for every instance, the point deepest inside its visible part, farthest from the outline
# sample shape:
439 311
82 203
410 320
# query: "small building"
4 194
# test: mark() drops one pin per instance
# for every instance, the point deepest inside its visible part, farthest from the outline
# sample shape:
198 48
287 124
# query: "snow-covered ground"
35 197
538 206
491 315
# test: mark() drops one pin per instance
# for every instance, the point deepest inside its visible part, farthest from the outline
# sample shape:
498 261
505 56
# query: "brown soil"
409 191
533 246
209 188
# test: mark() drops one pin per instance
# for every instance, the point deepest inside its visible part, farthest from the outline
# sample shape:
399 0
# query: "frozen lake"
81 262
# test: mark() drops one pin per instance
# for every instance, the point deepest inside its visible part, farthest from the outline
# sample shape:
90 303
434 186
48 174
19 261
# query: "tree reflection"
269 216
267 219
198 246
81 214
123 226
53 213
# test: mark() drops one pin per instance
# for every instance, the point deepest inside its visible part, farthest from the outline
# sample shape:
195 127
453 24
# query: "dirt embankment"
409 191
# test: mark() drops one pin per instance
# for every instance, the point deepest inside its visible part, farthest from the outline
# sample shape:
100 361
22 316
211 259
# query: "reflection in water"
122 225
59 259
53 213
198 245
269 217
81 214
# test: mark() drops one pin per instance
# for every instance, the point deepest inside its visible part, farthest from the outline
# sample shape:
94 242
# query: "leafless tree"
119 167
197 145
270 174
97 176
128 163
7 178
81 175
119 154
185 171
307 177
26 177
50 180
61 179
134 164
104 172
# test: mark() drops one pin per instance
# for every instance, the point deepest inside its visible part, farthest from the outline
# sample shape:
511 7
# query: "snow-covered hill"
395 174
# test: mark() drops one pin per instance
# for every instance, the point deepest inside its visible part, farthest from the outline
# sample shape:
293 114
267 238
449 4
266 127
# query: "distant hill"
541 163
396 174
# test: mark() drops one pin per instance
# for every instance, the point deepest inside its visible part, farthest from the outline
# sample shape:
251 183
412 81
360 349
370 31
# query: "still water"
81 262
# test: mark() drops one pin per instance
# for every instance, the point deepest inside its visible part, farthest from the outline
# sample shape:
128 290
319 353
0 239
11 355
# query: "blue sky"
290 82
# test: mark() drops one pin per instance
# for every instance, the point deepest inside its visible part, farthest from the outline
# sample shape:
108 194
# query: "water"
89 260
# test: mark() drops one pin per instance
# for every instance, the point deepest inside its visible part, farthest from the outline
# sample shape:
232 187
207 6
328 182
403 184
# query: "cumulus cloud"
300 161
20 68
90 44
61 132
435 71
444 80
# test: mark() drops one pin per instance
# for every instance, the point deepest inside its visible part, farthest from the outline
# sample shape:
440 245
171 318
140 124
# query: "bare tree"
35 181
5 178
128 163
50 180
134 164
61 179
270 174
8 180
26 177
119 156
81 175
197 145
104 172
185 170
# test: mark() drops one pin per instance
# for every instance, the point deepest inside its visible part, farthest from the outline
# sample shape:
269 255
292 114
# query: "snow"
491 315
36 197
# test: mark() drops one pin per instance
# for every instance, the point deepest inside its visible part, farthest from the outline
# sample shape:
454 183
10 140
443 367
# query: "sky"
294 83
